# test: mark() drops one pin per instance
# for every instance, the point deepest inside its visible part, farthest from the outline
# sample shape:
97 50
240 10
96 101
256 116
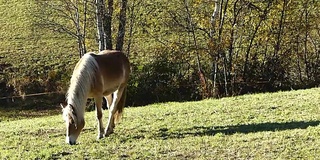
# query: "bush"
160 81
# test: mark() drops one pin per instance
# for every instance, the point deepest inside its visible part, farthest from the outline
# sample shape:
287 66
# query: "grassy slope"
40 59
283 125
30 49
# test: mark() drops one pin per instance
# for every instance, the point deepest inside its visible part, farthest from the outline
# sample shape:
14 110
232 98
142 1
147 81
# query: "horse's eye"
73 123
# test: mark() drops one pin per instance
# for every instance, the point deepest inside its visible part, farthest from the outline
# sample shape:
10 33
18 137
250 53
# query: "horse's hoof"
100 136
108 133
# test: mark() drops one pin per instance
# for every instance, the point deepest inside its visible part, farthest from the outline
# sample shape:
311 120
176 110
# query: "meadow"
282 125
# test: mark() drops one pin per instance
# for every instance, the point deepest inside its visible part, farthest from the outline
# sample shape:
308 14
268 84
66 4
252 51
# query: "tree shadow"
230 130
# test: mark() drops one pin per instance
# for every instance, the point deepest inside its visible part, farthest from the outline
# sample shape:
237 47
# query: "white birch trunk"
214 18
122 25
100 13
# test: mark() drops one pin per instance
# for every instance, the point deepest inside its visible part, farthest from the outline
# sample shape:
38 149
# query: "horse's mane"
83 77
69 115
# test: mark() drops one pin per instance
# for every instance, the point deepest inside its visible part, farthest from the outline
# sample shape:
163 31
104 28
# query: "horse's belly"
109 91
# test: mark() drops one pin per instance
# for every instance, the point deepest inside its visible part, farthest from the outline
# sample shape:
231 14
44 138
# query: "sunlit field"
283 125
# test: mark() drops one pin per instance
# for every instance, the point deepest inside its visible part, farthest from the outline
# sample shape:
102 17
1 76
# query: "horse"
96 76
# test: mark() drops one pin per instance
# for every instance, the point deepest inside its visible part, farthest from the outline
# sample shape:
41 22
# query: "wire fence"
29 95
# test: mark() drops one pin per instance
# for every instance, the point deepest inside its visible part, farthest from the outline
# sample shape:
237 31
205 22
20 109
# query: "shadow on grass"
15 114
229 130
31 107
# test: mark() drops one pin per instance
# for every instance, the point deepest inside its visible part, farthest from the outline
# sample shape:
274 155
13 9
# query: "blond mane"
79 88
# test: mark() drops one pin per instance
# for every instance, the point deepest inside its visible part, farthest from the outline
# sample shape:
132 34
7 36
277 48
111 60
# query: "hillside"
32 59
176 53
282 125
24 44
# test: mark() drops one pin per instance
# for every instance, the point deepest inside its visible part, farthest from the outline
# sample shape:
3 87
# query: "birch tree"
215 40
104 14
202 77
66 16
100 12
122 25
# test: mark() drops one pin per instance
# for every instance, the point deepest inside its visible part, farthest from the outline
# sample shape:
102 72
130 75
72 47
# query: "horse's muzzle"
71 141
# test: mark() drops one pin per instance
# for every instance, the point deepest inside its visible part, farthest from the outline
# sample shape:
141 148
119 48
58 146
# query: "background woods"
179 50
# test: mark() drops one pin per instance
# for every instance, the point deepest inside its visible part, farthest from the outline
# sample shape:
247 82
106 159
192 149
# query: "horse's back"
112 62
114 69
109 56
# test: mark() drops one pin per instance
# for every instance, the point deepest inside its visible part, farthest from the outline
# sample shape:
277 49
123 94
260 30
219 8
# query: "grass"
283 125
32 53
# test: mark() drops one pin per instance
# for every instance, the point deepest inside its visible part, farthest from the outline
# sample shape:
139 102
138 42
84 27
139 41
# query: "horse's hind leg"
98 101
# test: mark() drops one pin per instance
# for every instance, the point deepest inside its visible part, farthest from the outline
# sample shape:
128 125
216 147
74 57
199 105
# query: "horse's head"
74 124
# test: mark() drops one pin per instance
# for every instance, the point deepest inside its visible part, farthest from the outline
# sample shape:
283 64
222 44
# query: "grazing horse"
96 76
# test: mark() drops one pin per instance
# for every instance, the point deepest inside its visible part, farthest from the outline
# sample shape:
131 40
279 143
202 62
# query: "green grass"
32 52
283 125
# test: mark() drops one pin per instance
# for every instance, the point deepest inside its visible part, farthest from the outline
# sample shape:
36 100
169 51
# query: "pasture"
282 125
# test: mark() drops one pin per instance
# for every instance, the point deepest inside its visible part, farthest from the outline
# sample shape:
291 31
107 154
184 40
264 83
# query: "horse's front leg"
112 111
111 125
98 101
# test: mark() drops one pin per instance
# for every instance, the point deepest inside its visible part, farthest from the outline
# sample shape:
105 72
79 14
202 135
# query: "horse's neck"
77 96
81 81
79 107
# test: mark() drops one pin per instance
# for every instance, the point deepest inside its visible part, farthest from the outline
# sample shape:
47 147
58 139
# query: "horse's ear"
62 106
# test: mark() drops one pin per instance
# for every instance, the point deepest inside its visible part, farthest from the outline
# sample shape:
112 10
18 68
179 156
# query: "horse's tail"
120 105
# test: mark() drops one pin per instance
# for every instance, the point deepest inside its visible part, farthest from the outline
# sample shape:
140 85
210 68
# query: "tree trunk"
214 17
281 27
80 28
104 21
221 50
85 4
305 42
202 77
122 25
131 24
107 21
236 12
100 12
